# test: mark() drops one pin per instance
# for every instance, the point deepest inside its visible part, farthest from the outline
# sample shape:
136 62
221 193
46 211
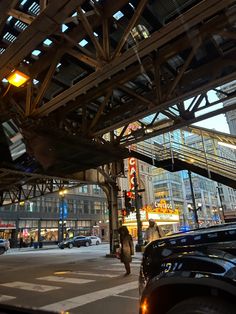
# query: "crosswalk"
59 281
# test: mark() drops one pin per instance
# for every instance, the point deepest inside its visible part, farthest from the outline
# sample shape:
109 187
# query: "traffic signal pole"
138 247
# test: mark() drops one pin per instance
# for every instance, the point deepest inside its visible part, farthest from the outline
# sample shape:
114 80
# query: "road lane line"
72 303
29 286
65 279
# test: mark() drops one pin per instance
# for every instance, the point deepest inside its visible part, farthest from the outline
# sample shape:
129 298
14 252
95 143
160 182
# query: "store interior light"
17 78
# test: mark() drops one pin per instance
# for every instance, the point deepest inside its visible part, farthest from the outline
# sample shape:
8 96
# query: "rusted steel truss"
17 186
101 72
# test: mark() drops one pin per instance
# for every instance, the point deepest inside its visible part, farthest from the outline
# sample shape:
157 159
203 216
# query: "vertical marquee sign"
132 168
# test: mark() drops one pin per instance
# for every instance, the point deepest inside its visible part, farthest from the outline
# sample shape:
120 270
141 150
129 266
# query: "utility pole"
193 199
221 204
138 218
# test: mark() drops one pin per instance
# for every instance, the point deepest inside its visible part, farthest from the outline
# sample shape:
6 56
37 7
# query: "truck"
190 273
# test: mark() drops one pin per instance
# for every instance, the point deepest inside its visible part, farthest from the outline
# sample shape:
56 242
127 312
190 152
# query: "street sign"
63 210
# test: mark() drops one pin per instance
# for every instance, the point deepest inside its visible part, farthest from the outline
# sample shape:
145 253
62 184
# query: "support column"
113 217
193 199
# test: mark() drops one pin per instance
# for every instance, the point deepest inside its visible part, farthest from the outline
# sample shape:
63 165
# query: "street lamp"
194 209
17 78
62 212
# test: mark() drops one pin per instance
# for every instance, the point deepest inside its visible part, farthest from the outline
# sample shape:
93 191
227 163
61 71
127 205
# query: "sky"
217 123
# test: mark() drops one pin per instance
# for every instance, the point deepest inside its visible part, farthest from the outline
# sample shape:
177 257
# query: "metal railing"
191 155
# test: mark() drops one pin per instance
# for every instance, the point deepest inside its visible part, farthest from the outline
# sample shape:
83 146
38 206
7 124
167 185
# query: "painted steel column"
113 217
193 199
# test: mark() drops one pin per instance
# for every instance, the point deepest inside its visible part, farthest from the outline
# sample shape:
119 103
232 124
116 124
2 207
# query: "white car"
4 245
95 240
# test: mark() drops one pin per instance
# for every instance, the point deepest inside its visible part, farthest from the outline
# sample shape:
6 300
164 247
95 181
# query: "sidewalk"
27 249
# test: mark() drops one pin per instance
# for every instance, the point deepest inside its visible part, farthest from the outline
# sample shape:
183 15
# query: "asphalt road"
78 280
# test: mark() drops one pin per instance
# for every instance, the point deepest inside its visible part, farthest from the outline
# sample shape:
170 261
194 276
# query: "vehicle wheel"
97 242
86 244
2 250
70 245
62 247
202 305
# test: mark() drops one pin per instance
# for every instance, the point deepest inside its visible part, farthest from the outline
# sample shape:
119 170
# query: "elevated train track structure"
96 67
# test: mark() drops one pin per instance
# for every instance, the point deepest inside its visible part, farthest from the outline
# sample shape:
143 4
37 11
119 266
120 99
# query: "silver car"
4 245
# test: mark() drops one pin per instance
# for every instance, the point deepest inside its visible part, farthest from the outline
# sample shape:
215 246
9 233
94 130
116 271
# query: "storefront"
7 229
162 214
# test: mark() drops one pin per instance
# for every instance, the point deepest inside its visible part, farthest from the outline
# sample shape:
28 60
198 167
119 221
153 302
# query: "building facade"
84 212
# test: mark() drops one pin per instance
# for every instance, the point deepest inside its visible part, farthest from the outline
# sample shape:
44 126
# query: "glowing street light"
17 78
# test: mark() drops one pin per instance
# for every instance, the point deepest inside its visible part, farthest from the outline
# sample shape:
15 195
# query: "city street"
78 280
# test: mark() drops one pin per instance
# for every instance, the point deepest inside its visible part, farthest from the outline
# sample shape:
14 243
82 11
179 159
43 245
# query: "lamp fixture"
17 78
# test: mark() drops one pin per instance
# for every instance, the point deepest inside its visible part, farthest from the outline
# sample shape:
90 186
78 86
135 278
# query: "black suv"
76 241
190 273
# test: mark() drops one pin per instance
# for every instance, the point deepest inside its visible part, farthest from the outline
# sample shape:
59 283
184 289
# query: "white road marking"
5 297
72 303
132 265
65 279
92 274
125 297
115 269
29 286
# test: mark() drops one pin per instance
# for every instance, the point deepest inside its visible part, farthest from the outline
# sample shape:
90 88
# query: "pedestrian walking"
127 248
153 232
31 241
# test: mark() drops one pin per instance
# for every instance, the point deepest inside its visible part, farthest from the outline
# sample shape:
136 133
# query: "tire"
97 242
2 250
202 305
86 244
70 245
62 247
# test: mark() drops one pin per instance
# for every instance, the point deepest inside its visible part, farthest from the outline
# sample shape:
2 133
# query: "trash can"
36 245
40 245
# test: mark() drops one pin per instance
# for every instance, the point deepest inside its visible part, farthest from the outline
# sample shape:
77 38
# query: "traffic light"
128 202
124 213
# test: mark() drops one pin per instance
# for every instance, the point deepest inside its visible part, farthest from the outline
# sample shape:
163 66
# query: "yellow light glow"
62 192
191 160
17 78
144 307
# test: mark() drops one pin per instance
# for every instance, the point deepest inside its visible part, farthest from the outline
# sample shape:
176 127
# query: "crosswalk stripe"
114 269
72 303
119 264
93 274
29 286
5 297
65 279
136 262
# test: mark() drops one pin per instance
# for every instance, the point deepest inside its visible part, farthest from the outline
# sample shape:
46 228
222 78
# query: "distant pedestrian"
21 243
153 232
31 241
127 248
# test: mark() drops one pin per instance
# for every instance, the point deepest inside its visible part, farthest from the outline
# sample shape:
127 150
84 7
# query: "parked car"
4 245
76 241
95 240
192 272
